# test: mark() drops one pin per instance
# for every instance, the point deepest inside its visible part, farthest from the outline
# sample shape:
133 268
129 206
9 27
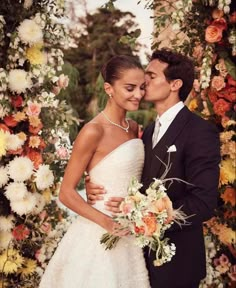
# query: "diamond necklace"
115 124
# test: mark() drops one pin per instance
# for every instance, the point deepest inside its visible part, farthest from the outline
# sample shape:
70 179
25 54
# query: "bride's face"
129 89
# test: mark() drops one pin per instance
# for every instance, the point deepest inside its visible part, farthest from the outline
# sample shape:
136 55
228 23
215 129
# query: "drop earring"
110 96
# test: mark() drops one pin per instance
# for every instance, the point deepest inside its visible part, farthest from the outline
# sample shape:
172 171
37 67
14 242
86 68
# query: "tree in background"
97 42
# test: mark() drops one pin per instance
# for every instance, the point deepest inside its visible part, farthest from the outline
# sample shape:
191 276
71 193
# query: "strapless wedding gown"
80 261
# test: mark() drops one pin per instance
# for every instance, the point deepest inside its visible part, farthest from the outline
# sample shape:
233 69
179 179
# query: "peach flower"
213 34
34 141
126 208
19 116
217 13
34 121
33 109
35 130
218 83
150 223
63 81
45 227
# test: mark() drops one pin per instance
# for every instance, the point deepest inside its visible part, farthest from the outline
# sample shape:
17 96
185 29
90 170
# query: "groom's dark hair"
179 67
112 70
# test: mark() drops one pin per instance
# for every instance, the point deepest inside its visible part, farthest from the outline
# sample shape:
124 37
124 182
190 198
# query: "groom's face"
157 87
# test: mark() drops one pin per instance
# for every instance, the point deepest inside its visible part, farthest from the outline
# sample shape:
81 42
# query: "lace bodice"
116 169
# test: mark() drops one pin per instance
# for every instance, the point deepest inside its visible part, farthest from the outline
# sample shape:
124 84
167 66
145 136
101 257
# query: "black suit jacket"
196 161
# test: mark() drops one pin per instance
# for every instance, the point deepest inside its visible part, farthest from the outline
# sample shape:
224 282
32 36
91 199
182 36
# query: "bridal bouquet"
147 217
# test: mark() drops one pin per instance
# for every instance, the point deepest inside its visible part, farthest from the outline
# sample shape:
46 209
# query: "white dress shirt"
167 117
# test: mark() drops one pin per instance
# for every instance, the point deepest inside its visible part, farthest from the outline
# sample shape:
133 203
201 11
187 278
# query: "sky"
142 19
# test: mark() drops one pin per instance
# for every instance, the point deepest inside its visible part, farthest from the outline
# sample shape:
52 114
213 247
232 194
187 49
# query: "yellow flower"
192 104
10 261
226 235
3 143
227 171
35 56
28 267
47 195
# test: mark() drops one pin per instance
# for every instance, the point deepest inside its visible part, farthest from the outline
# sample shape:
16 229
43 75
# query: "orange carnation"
229 196
35 157
213 34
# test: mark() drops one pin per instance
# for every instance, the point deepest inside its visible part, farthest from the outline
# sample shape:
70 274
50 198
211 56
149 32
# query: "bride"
108 149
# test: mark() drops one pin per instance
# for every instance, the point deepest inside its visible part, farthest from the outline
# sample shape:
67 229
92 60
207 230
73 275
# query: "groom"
195 159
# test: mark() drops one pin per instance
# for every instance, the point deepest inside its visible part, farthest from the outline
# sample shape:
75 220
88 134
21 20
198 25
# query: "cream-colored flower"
19 81
30 32
44 177
14 142
6 223
3 143
34 141
3 177
6 238
228 170
10 261
20 169
28 4
25 205
226 136
15 191
229 149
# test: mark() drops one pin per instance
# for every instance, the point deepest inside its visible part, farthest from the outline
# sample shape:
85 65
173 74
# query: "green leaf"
231 68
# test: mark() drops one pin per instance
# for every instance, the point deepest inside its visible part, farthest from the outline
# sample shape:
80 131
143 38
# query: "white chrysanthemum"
44 177
24 206
28 4
5 237
3 177
14 142
6 223
40 203
30 32
15 191
19 81
20 169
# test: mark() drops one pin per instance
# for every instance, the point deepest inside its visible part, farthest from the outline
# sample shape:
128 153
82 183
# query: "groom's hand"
94 192
113 204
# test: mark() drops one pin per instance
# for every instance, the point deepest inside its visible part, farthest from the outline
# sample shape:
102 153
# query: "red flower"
20 232
230 80
220 23
16 101
228 94
10 121
221 106
35 157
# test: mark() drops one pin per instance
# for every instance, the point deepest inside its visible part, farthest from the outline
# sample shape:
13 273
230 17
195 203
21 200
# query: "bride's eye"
129 88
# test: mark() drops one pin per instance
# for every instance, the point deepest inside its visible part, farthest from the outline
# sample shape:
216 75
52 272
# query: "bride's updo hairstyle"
113 69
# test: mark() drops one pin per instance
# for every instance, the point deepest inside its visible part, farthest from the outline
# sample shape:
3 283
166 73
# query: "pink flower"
45 227
33 109
223 259
232 273
218 83
126 208
63 81
43 215
63 153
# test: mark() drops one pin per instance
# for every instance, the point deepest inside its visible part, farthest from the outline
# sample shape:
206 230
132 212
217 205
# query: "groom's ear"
176 84
108 88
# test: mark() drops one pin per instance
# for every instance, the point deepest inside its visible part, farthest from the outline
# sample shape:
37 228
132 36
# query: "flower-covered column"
34 142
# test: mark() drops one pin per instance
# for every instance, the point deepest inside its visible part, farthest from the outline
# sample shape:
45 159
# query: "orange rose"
213 34
151 224
217 13
10 121
221 106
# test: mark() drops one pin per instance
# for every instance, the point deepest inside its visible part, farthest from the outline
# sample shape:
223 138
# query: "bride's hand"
115 228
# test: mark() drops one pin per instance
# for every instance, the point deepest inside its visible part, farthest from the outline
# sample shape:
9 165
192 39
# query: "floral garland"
205 30
34 142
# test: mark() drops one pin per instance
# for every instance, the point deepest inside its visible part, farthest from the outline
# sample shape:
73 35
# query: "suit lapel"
168 139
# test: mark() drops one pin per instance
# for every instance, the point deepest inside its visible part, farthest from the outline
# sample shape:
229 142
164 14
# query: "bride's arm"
83 150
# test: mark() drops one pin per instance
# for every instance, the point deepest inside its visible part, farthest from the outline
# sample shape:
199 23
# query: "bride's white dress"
80 261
